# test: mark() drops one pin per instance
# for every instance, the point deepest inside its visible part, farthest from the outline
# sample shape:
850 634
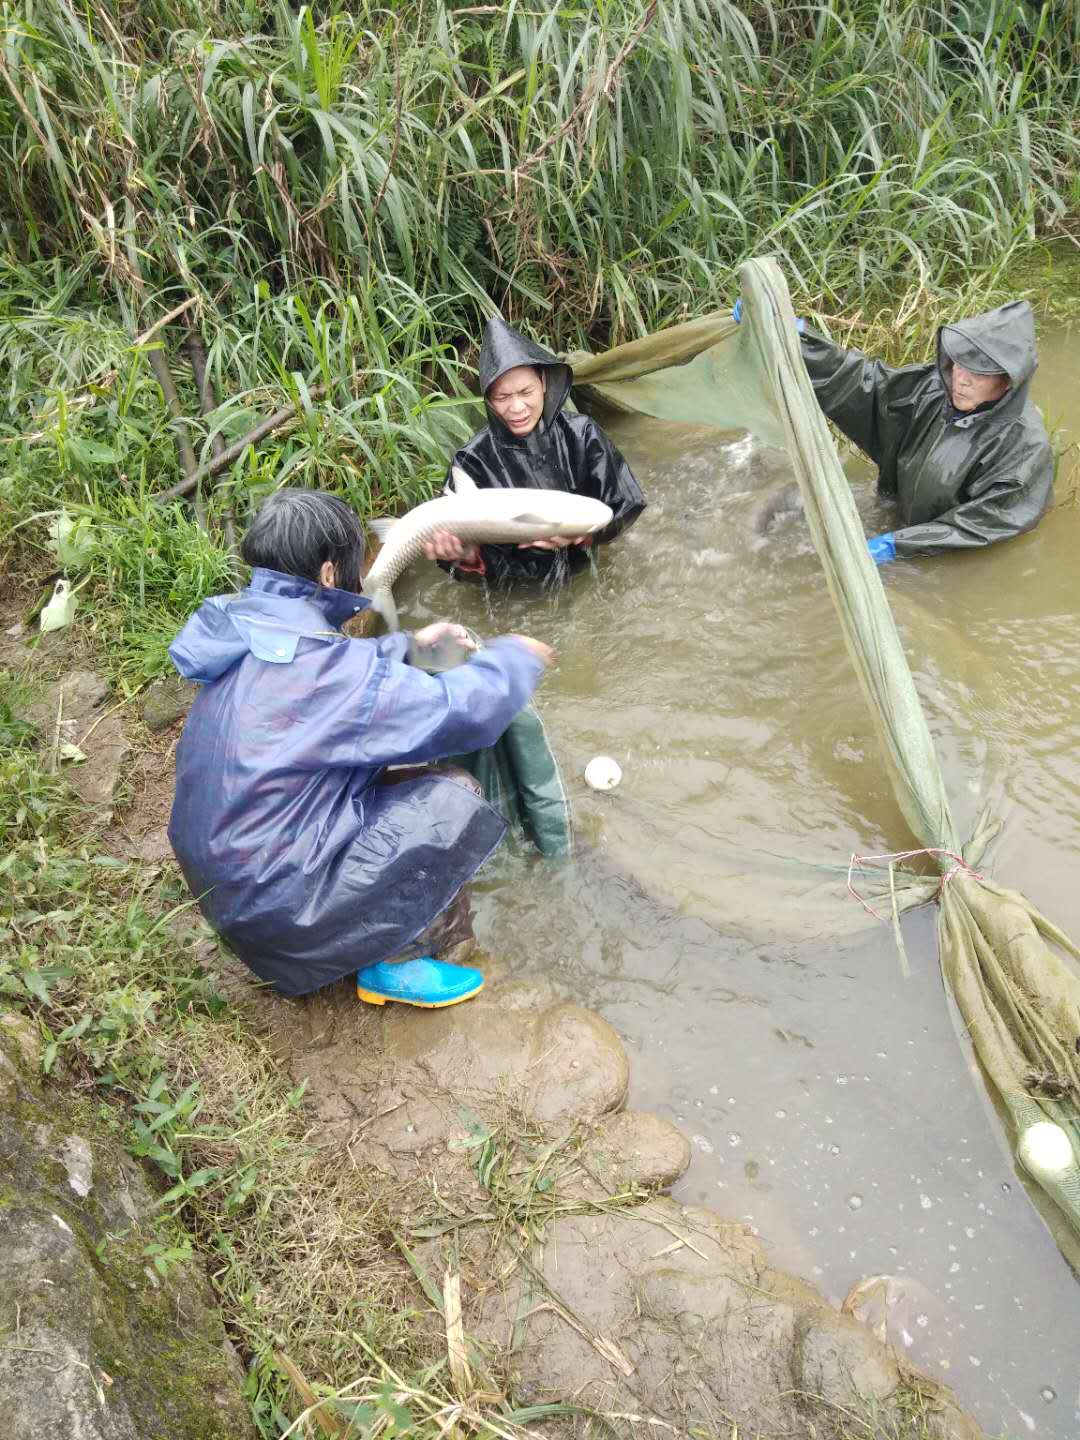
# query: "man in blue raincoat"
306 854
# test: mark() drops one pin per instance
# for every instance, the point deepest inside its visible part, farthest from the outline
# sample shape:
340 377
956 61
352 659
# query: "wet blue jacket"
300 859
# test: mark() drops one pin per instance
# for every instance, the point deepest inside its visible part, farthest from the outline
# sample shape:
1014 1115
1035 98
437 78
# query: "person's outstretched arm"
406 716
855 392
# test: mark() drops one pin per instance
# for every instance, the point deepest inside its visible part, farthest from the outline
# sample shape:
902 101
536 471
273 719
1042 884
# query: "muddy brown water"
832 1104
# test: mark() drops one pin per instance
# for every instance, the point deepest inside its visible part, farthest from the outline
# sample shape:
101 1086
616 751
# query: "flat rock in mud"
517 1042
635 1150
168 701
24 647
152 848
560 1062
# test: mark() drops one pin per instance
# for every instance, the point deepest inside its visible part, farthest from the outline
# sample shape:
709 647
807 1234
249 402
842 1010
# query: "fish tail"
383 602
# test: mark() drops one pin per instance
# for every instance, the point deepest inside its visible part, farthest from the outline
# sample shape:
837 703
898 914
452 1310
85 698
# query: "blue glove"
882 549
736 315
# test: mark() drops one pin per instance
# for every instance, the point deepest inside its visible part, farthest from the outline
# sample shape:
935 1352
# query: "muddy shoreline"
501 1125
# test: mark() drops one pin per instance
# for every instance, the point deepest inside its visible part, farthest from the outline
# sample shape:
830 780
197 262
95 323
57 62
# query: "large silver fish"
482 517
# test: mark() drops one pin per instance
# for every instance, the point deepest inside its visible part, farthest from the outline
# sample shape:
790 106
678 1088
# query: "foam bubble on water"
1048 1394
974 1360
834 1149
781 1114
1029 1420
922 1321
926 1202
703 558
969 1231
734 1139
855 1202
703 1144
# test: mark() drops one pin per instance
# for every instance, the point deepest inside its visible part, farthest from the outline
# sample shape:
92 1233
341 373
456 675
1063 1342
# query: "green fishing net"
1008 968
520 776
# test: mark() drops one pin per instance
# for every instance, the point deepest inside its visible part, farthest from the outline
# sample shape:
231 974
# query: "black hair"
297 531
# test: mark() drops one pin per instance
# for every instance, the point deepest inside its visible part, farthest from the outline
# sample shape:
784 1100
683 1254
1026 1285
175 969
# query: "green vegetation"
331 200
99 951
344 192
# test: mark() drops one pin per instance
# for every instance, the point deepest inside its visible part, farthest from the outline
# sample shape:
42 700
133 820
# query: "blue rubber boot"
429 983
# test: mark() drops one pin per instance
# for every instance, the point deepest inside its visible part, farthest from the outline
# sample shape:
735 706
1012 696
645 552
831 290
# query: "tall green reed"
348 190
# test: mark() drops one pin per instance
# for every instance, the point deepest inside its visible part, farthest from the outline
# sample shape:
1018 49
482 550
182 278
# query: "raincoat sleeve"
406 716
611 480
394 646
855 392
1008 493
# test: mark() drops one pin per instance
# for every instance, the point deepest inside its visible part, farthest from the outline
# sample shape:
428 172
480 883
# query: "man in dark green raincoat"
530 442
958 444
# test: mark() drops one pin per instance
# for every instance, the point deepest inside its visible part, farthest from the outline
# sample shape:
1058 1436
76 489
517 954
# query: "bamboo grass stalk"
208 403
159 363
236 449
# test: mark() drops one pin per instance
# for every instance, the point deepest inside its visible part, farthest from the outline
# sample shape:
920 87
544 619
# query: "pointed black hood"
1001 341
504 348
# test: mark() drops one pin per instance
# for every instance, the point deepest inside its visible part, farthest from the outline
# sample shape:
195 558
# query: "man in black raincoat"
529 442
958 444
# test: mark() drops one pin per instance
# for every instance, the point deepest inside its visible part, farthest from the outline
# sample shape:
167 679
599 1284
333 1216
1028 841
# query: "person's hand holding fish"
431 635
557 542
444 546
444 645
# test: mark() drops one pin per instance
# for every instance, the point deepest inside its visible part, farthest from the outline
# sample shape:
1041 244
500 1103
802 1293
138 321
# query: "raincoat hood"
503 349
267 620
1001 341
